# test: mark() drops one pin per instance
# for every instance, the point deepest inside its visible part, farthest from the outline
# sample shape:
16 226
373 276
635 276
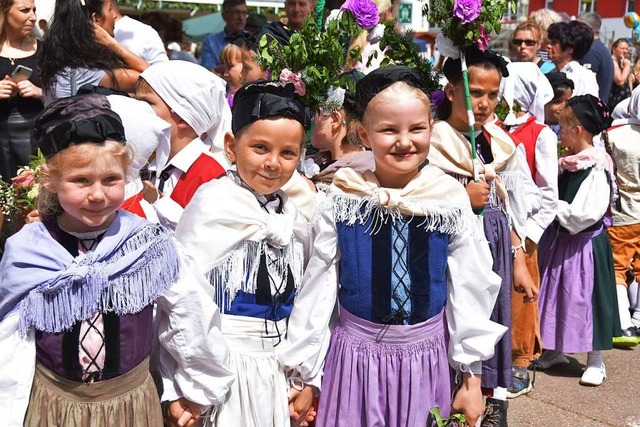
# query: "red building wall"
606 8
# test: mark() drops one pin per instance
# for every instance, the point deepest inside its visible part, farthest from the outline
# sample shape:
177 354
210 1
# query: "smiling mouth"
403 155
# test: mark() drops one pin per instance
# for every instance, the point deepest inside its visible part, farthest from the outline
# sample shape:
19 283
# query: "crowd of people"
210 250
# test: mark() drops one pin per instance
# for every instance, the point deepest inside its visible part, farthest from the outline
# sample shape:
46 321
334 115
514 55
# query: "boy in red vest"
193 101
528 87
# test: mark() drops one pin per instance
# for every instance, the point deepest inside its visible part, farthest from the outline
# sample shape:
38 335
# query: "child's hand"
478 194
149 192
183 413
33 216
468 399
300 409
522 281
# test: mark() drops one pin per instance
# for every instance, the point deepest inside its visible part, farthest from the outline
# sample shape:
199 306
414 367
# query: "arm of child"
169 211
472 292
308 333
17 367
546 153
468 398
300 405
589 205
193 358
522 280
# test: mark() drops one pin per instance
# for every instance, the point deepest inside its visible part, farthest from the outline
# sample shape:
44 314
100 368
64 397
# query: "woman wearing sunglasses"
526 41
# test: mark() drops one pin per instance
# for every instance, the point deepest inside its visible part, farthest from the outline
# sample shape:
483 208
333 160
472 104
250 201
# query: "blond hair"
396 91
76 156
231 55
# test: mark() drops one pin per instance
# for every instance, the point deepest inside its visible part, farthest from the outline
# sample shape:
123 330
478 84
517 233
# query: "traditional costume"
251 247
527 86
197 96
578 307
76 309
411 273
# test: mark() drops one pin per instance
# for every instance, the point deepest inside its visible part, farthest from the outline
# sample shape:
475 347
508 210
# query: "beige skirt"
128 400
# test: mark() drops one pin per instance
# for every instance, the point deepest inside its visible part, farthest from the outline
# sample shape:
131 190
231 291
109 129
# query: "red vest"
527 134
132 204
204 169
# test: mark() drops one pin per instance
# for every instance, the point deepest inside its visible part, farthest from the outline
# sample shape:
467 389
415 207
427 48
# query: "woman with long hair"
79 49
20 92
621 73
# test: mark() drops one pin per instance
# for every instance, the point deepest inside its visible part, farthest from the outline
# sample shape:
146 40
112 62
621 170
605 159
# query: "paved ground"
558 400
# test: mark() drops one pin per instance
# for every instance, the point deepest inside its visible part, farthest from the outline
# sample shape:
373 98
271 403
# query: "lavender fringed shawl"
134 263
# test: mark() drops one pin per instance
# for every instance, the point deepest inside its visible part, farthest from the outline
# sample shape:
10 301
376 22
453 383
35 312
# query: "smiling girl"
78 290
249 240
388 249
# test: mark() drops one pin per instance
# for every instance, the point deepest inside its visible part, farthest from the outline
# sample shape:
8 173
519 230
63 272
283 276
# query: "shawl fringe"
88 288
356 209
238 271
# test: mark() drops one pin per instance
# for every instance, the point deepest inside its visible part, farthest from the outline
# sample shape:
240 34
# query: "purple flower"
365 12
467 10
484 39
437 96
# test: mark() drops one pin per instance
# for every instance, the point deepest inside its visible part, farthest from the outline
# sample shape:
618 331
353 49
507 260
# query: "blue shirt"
211 48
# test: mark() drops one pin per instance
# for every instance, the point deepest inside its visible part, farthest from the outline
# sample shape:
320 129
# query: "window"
631 5
587 6
548 4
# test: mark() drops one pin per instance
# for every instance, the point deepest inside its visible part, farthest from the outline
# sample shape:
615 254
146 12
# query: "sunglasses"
518 42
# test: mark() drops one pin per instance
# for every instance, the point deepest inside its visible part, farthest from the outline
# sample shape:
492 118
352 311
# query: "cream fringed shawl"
435 198
226 231
451 151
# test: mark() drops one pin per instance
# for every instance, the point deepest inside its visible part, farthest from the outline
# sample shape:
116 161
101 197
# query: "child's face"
327 127
266 153
567 133
233 75
90 194
484 86
397 130
552 109
251 71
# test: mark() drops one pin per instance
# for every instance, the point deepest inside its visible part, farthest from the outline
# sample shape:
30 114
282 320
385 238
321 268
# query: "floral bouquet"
315 57
19 197
456 420
464 23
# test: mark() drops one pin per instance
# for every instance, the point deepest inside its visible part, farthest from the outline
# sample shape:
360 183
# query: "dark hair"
228 4
70 42
169 28
617 42
572 34
452 69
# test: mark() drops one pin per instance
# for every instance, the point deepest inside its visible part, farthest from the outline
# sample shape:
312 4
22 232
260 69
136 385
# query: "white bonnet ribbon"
279 229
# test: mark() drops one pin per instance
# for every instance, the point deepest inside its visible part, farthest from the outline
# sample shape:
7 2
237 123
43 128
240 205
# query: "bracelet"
514 249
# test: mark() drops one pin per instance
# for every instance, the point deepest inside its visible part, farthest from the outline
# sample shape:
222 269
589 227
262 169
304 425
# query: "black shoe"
495 413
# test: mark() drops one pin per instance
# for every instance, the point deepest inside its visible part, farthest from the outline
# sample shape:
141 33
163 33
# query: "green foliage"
464 35
453 420
319 55
400 49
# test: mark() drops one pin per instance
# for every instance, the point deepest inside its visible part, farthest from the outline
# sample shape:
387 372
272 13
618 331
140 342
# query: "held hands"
478 194
468 399
301 410
183 413
149 192
8 88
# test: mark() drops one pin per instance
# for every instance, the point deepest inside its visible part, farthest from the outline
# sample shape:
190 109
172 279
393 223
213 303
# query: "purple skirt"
385 375
566 290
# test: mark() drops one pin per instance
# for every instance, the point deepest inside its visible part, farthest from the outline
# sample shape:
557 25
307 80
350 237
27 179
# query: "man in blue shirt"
598 59
234 14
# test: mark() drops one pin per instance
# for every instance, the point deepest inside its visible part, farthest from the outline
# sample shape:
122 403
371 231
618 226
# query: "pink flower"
484 39
467 10
288 76
25 179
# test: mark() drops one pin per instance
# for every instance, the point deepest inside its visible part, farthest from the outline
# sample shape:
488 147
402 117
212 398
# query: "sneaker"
520 386
594 376
549 359
495 413
629 338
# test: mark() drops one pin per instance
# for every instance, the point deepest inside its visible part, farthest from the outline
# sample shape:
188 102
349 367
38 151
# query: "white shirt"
546 163
141 39
589 205
169 211
583 79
